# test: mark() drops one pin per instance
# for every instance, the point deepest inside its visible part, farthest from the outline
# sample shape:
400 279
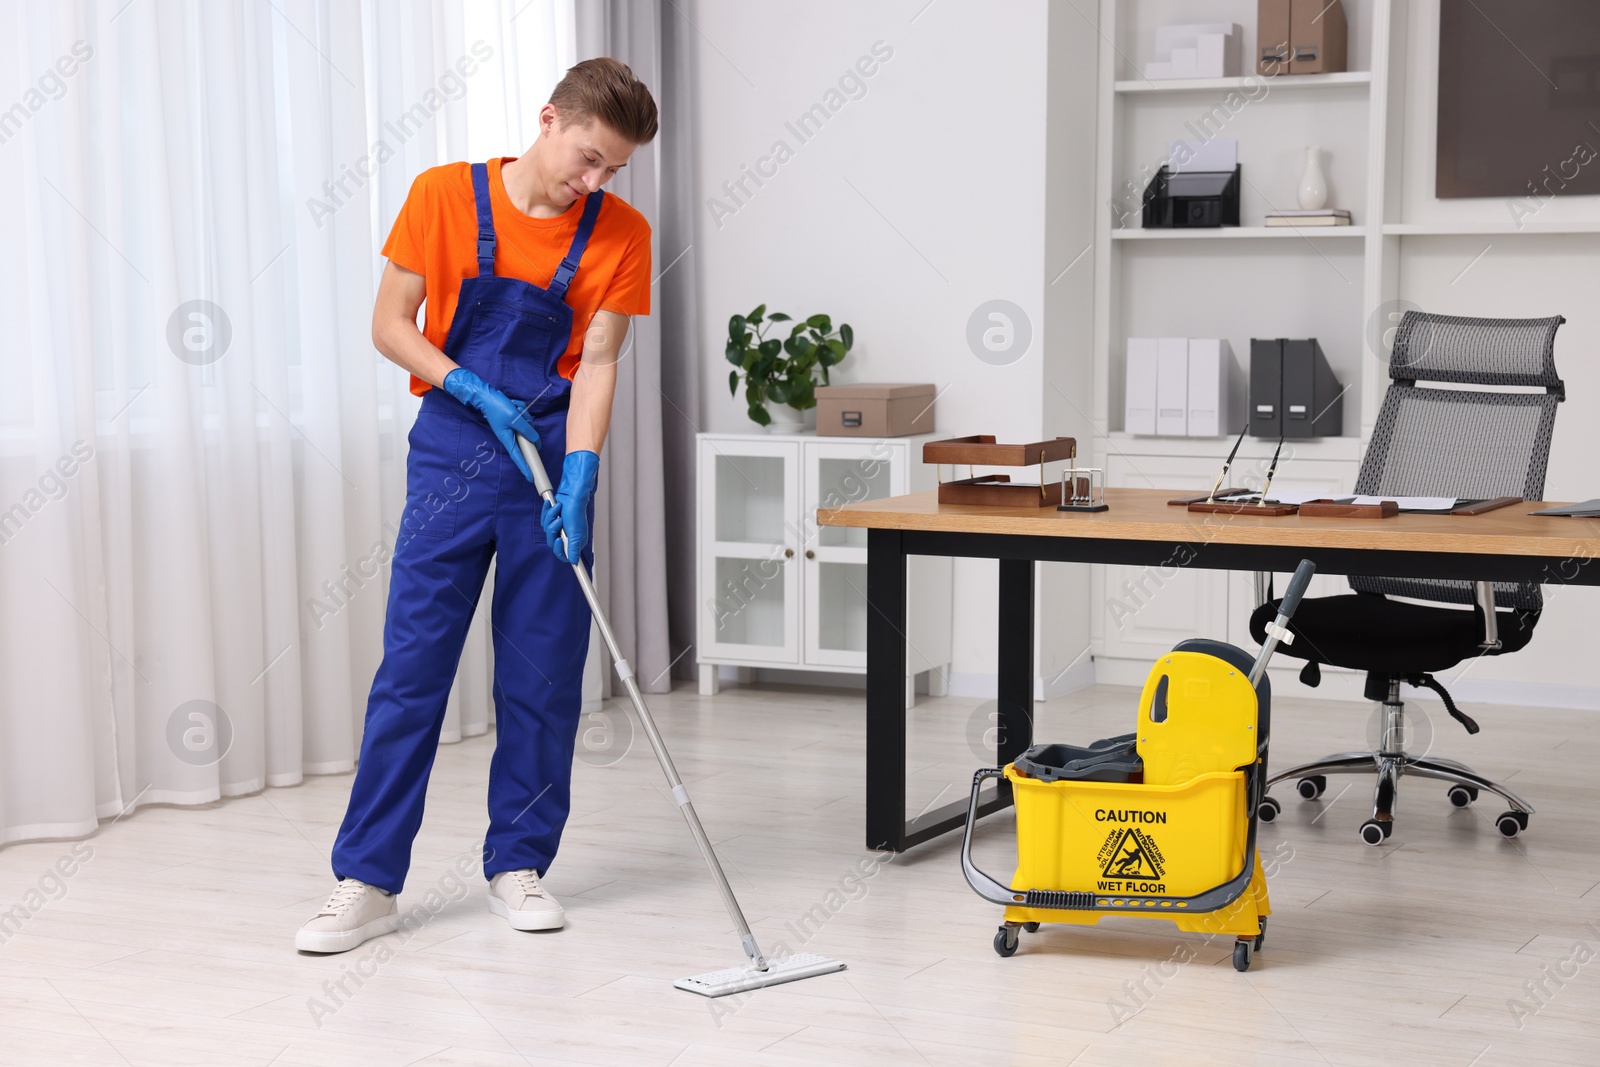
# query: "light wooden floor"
173 943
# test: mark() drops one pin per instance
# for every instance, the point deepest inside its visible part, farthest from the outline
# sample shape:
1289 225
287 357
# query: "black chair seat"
1367 632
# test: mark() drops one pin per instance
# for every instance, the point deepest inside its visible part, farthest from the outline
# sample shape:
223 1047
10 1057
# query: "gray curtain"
644 514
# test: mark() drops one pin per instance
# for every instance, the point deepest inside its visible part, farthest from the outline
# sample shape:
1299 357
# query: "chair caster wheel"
1268 809
1512 823
1311 788
1032 928
1462 795
1005 941
1374 832
1242 952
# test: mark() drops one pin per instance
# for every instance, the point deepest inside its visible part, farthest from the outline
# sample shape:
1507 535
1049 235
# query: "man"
508 256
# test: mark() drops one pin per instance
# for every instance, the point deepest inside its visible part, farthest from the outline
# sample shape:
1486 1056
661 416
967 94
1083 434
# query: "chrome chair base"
1389 764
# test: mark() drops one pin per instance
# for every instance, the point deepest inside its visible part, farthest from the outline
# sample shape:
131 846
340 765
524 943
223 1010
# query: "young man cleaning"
509 257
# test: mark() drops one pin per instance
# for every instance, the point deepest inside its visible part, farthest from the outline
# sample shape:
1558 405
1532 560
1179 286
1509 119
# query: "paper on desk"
1412 503
1287 497
1406 503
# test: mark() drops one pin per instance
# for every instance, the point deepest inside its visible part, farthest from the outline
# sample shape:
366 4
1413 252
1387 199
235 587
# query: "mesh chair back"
1468 443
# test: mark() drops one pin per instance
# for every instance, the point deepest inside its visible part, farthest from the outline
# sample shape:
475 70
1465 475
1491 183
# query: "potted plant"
784 372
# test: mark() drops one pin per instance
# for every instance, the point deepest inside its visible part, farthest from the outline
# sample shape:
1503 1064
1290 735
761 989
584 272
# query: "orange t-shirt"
436 235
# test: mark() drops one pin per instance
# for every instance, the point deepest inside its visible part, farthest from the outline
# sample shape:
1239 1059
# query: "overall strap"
480 189
569 265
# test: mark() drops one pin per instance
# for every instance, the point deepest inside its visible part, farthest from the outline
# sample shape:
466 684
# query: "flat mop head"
740 979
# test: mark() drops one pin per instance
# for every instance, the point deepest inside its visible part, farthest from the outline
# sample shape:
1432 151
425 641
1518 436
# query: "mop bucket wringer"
1160 823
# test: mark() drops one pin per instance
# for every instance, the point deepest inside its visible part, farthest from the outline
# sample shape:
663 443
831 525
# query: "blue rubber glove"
506 419
570 511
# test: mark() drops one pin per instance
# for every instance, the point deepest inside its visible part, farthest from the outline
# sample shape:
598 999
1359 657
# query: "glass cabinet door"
841 472
749 546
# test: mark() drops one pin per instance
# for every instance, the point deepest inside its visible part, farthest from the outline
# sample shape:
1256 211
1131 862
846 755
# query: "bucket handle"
983 884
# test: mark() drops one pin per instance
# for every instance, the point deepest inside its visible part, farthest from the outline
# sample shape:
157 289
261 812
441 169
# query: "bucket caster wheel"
1374 832
1312 787
1512 823
1268 809
1005 940
1261 935
1032 928
1462 795
1242 952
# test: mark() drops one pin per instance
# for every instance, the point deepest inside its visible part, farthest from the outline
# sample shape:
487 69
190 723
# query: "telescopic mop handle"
680 795
1279 628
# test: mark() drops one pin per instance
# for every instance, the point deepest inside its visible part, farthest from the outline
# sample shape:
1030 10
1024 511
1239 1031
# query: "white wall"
909 208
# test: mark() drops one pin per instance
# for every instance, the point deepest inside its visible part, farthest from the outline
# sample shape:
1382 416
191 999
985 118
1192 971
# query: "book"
1308 220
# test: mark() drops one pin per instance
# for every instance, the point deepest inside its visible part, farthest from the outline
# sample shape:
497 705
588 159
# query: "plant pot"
786 419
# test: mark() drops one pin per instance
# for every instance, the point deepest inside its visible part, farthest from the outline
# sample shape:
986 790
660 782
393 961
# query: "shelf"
1118 443
1509 229
1236 233
1286 81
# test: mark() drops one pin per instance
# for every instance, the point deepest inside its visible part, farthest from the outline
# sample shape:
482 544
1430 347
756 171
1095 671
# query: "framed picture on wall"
1519 98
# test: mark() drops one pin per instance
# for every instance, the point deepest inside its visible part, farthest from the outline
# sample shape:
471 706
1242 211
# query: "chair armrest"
1491 622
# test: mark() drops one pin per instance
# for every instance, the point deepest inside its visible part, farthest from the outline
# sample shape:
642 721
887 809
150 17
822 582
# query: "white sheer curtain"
201 454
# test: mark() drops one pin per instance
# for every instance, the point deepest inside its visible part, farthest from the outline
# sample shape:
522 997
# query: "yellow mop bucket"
1160 823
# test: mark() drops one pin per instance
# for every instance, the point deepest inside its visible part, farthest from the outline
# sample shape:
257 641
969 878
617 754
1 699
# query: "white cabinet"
778 591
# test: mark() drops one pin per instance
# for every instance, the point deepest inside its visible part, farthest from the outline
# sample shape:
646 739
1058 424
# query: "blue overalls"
465 502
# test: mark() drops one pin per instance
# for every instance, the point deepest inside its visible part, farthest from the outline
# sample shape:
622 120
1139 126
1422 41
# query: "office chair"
1468 443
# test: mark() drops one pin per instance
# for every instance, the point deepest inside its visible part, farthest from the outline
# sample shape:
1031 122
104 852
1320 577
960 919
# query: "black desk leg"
887 827
886 690
1014 688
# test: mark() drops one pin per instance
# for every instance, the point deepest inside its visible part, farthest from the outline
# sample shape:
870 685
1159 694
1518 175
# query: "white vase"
785 419
1313 191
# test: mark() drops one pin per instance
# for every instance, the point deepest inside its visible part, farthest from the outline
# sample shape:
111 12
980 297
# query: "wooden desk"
1141 529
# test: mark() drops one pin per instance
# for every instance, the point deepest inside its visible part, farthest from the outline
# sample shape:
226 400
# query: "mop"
759 971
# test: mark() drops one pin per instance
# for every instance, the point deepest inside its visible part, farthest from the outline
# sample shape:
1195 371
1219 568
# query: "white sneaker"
523 902
354 913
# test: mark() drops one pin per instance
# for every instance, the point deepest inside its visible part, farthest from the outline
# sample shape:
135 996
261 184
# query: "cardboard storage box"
882 409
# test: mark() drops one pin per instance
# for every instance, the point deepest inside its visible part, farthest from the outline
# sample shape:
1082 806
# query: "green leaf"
736 327
758 415
847 335
820 322
778 316
735 353
771 346
733 383
778 393
835 346
797 328
824 375
755 316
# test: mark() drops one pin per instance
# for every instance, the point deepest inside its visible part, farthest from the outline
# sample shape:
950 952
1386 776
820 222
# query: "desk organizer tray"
1332 509
1243 507
998 490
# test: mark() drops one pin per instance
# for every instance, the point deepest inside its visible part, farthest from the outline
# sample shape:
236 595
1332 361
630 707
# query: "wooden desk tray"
1329 509
981 450
998 490
1222 494
1492 504
1229 507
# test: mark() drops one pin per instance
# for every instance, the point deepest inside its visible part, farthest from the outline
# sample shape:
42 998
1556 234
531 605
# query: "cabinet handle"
788 553
810 554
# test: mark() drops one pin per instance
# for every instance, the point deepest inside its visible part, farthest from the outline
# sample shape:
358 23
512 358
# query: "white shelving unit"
778 591
1333 283
1234 282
